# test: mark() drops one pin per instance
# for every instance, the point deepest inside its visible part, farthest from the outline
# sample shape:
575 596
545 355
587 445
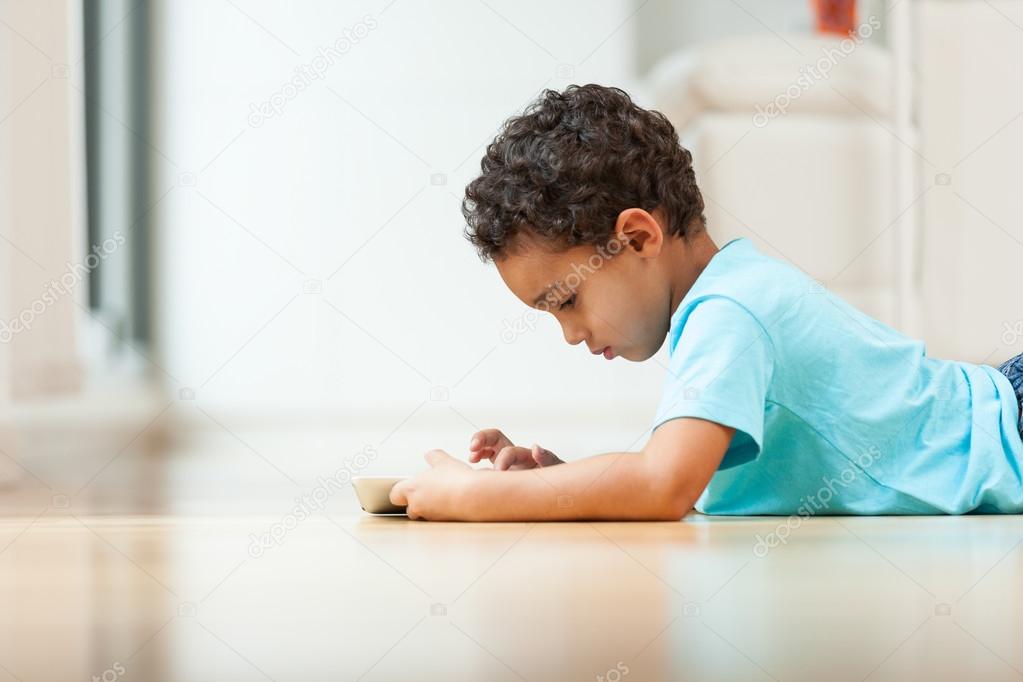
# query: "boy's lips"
605 351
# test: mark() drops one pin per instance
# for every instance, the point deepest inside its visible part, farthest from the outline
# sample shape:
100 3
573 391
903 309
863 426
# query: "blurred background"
231 251
233 228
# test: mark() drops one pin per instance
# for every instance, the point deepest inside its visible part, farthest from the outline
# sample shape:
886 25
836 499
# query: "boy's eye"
567 303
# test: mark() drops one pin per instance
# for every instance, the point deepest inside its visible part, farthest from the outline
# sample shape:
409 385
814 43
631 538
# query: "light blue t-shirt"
835 412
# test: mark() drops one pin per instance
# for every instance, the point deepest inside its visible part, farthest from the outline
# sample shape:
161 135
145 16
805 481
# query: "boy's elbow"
672 498
672 504
675 509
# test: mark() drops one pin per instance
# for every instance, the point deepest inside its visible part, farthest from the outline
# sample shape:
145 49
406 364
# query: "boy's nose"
572 336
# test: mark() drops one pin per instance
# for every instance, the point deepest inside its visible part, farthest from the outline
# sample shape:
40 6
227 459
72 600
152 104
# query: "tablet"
374 493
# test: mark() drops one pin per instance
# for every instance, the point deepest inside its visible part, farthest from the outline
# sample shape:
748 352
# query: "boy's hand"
439 493
493 445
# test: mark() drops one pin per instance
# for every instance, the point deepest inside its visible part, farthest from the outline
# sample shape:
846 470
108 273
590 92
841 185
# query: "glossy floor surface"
190 564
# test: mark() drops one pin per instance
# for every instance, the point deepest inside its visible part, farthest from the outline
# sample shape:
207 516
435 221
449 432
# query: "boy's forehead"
525 274
534 274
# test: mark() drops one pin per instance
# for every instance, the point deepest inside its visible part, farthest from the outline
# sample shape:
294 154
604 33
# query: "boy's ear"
640 231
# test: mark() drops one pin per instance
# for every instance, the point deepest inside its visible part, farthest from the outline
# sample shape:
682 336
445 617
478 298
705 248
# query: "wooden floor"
155 570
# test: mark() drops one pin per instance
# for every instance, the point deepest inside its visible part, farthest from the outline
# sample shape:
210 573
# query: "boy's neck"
688 259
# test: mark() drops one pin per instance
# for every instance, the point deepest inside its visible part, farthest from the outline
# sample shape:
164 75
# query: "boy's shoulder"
746 292
740 264
739 272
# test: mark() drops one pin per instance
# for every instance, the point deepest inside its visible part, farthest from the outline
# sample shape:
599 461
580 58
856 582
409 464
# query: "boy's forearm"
613 486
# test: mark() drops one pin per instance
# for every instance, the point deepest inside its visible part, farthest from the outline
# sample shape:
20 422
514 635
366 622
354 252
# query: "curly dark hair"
565 168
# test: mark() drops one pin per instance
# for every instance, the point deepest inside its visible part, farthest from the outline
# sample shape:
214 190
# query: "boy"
780 399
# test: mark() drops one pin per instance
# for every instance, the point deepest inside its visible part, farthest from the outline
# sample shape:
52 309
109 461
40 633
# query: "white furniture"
40 209
798 161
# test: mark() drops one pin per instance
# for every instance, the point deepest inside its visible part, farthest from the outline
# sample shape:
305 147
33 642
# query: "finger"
479 455
505 458
477 451
398 494
509 456
488 438
544 457
485 444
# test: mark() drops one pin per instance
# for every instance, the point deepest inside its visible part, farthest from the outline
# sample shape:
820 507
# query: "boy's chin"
640 353
637 354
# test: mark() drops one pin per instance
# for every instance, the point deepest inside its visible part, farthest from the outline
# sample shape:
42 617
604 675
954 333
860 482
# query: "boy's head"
586 203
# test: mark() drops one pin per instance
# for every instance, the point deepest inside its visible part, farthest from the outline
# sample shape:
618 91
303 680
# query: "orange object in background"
835 16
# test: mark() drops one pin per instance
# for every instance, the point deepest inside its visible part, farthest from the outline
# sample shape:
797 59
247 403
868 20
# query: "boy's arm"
662 482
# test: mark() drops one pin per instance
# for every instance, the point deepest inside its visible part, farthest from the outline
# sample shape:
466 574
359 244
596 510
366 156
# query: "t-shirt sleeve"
720 369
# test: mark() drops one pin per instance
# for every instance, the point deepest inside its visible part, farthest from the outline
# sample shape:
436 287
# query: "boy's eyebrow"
553 286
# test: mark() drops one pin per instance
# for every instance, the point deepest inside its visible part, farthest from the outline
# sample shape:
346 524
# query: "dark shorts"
1013 369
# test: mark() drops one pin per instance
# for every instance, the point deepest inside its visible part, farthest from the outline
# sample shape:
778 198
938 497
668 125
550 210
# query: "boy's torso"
856 419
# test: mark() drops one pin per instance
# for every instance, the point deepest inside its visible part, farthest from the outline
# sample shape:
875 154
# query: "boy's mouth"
606 352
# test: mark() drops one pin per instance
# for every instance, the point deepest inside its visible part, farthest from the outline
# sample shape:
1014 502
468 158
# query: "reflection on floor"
187 561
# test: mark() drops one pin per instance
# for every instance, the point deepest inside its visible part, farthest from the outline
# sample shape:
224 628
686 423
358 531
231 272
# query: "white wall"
329 182
971 124
251 216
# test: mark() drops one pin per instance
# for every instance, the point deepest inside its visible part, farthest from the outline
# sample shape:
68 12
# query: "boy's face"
615 299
